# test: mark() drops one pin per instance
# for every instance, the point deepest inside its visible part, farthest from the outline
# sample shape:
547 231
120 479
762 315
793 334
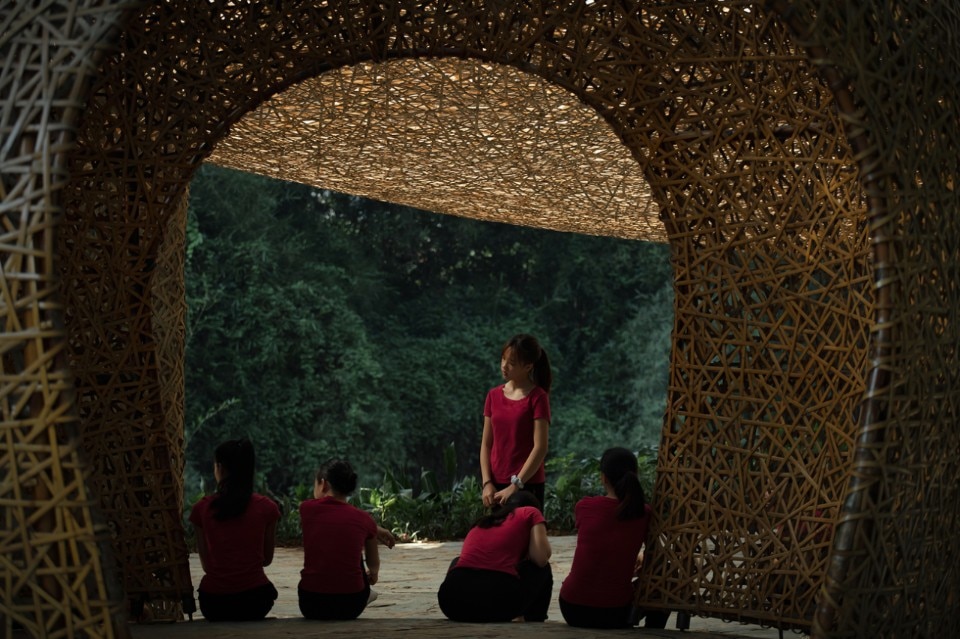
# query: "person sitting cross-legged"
334 585
611 529
236 530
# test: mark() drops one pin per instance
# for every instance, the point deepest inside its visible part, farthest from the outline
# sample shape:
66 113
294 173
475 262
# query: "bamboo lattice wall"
798 157
53 582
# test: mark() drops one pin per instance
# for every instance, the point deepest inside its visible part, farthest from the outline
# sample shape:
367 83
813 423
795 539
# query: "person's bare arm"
372 555
486 444
386 537
539 452
539 550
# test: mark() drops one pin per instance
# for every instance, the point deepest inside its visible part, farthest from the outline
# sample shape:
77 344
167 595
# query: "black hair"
499 514
619 466
339 474
237 460
527 350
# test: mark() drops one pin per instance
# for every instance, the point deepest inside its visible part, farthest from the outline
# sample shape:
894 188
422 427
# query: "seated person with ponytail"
236 531
611 529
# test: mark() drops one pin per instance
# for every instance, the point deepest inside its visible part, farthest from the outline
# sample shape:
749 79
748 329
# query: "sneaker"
373 596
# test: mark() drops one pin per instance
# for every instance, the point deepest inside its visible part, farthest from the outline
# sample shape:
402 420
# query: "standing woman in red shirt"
503 571
611 529
336 536
516 416
236 531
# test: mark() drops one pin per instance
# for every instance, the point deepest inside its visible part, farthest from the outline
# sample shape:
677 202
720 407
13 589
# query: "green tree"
624 385
271 334
322 323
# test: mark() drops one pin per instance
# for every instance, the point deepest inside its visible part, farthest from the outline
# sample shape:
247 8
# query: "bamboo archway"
799 158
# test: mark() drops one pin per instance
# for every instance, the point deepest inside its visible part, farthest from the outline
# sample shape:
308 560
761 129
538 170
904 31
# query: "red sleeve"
534 516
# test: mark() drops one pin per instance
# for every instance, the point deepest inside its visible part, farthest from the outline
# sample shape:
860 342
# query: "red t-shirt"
500 547
234 546
512 424
606 554
334 534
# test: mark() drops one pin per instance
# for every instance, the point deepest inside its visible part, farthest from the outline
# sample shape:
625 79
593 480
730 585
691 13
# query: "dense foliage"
322 324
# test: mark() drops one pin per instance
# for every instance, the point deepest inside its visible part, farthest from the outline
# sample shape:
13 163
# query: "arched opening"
757 189
747 162
321 324
478 140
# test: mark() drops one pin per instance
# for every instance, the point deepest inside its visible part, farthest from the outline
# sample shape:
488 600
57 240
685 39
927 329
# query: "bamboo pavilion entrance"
799 158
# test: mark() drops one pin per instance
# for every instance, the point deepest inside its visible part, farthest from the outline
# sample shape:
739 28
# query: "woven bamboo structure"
799 157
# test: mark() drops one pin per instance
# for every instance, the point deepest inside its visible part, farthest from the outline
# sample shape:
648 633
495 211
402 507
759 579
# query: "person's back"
334 537
605 557
611 530
501 547
236 531
334 584
235 555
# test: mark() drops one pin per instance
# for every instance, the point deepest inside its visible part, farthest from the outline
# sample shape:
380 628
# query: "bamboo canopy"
799 158
450 135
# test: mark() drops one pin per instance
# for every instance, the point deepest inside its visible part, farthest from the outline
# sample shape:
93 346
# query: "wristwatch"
516 482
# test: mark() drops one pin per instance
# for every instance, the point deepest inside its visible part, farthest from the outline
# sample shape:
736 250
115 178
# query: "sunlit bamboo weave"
799 158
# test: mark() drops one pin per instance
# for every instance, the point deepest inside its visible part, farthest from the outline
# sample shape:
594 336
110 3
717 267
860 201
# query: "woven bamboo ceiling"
452 135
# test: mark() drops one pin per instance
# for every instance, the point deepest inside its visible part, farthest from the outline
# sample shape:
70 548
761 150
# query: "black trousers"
484 596
335 606
249 605
606 618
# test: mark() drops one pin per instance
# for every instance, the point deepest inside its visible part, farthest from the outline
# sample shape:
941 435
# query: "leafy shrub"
435 512
647 469
568 481
289 532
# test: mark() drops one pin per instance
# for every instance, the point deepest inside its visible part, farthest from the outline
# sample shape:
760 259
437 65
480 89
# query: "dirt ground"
406 606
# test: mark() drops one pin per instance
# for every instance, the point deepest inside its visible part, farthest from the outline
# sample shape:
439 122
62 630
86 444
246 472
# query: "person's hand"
503 495
373 575
386 537
488 494
638 565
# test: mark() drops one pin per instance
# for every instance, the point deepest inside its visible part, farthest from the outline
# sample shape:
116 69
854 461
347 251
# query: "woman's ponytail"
619 466
236 459
542 374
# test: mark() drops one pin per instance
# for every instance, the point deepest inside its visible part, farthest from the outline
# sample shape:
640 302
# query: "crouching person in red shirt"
236 532
503 571
334 584
611 529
